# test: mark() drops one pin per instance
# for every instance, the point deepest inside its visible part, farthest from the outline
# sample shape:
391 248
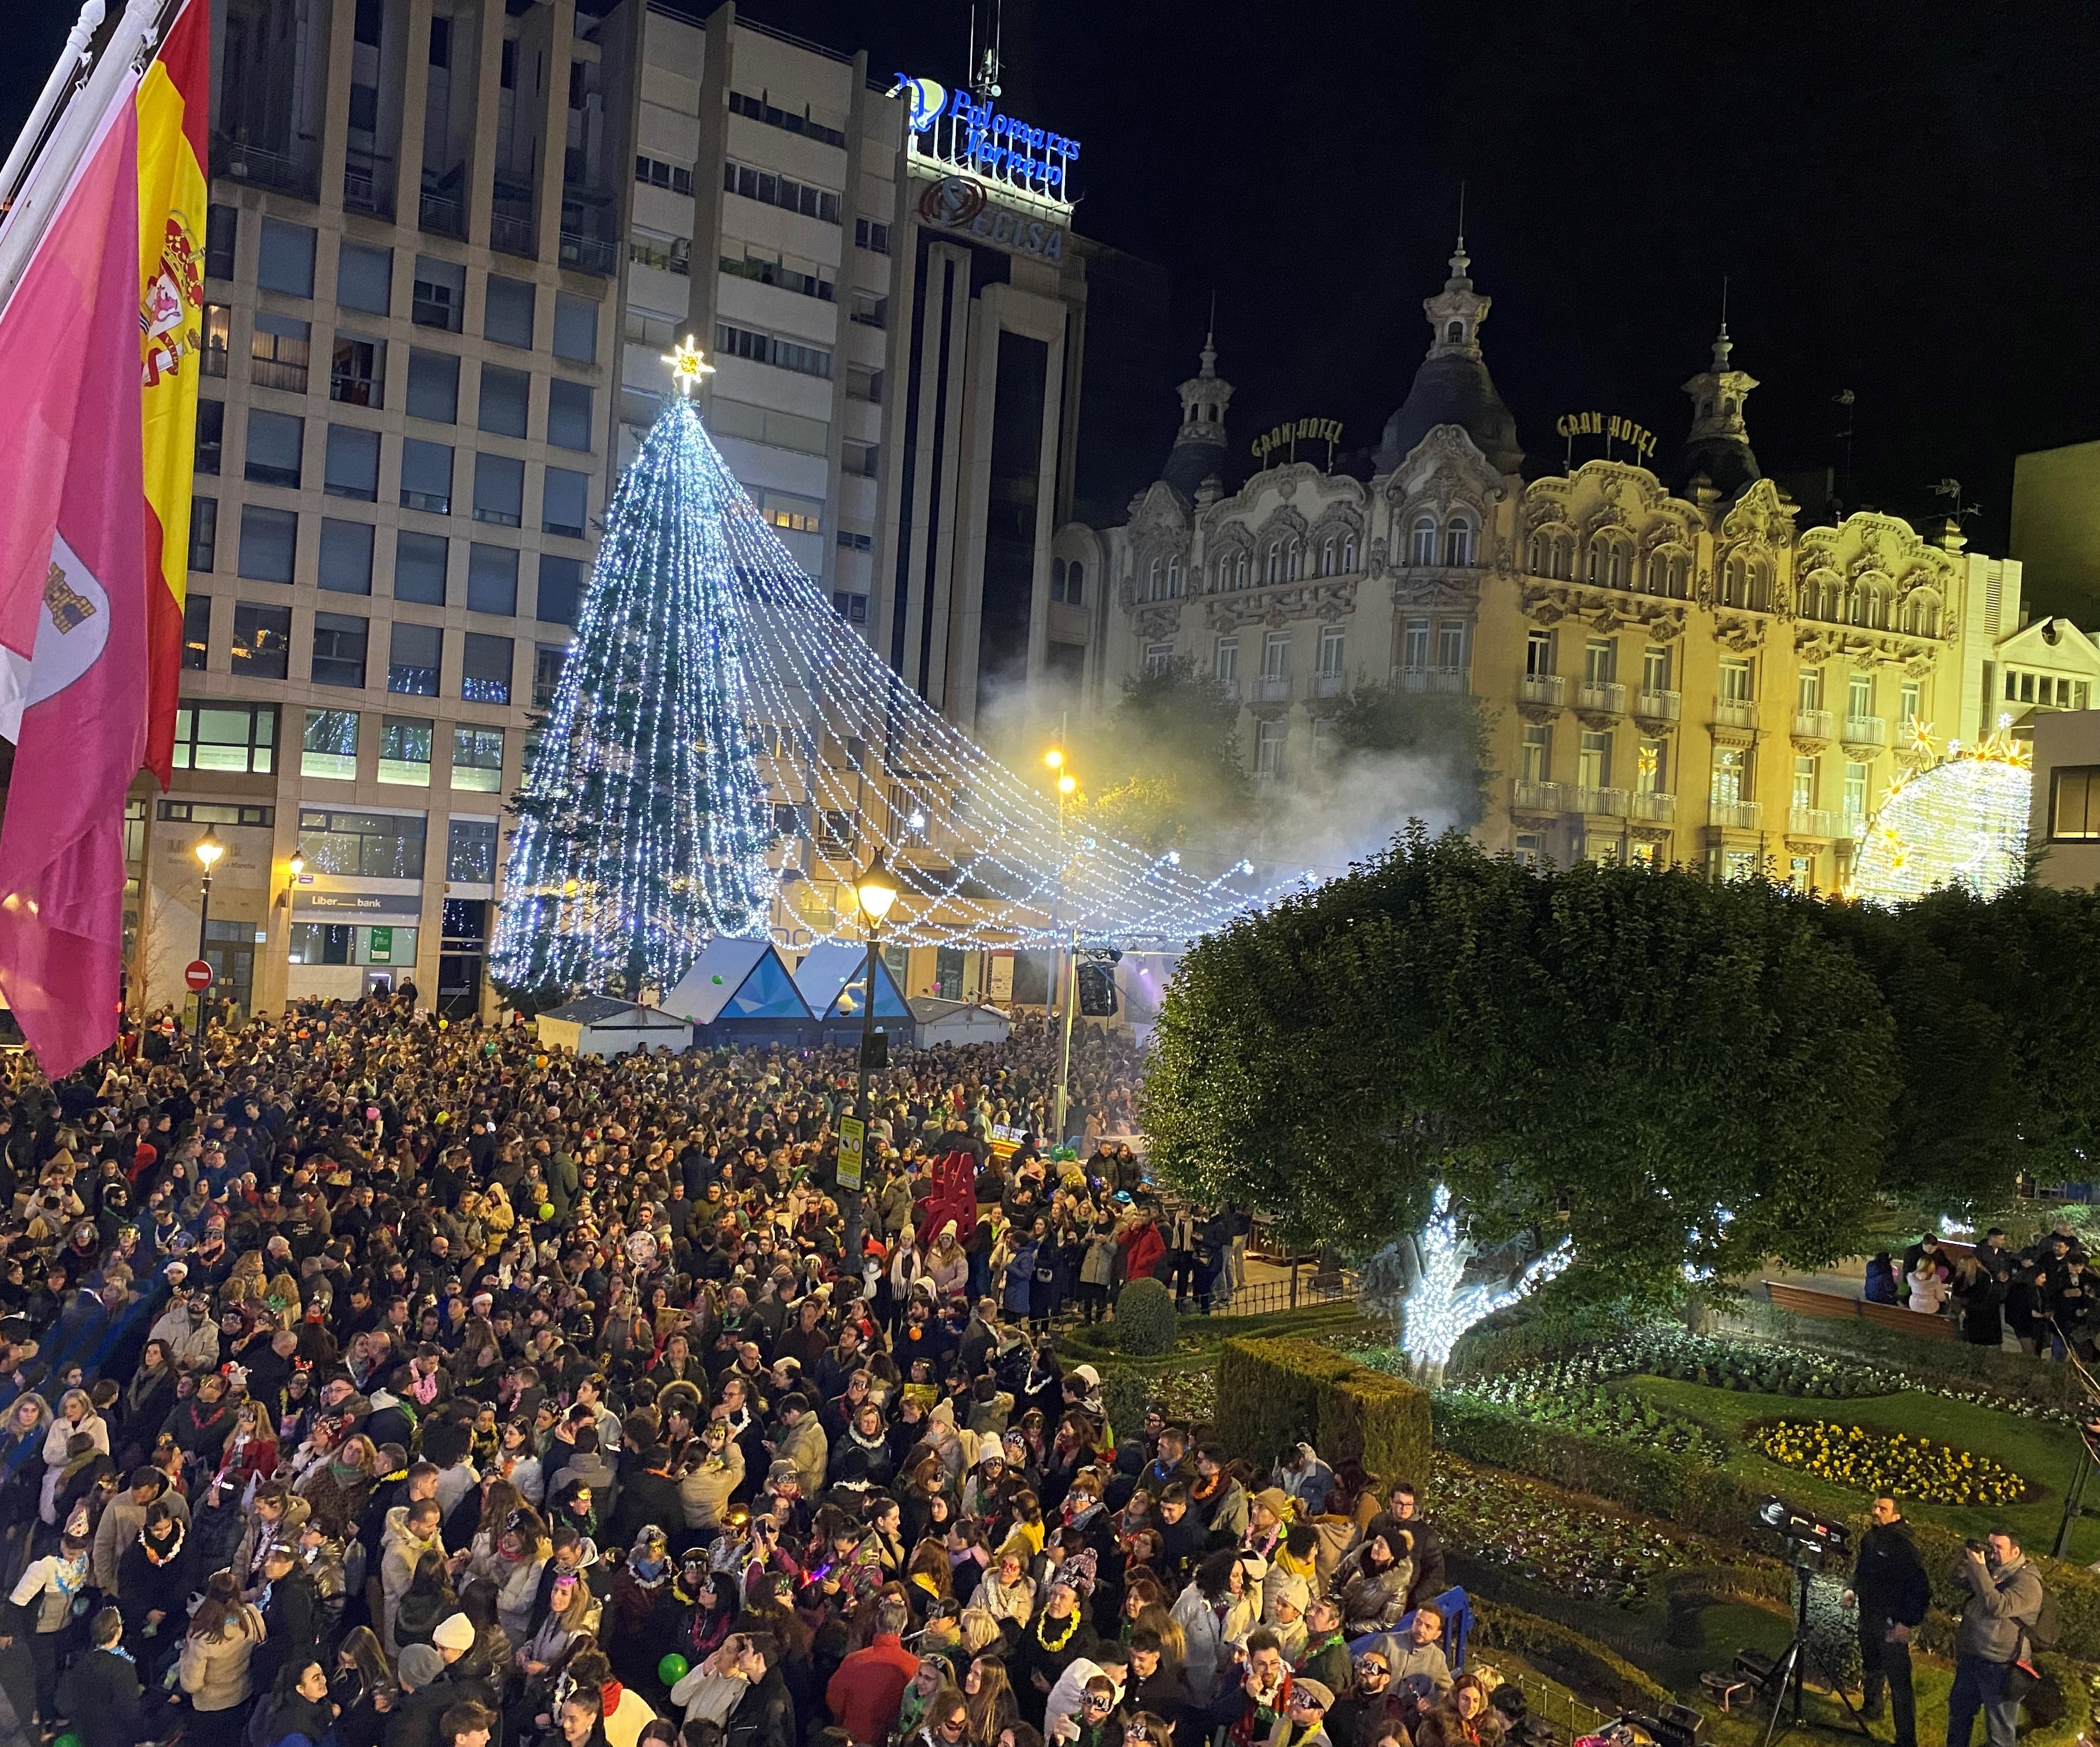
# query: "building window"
211 812
492 580
1736 682
262 639
1860 696
499 490
561 589
1530 849
1158 657
506 396
218 324
1537 750
769 189
415 658
1655 668
569 415
1652 767
507 311
439 294
329 746
268 540
1808 690
364 278
1731 765
404 751
433 386
1225 662
759 109
1595 760
280 351
339 642
470 851
2074 803
1414 645
1451 645
576 328
851 607
1537 655
1599 657
346 556
549 659
196 629
419 568
357 372
210 436
873 236
1422 544
1268 740
222 232
1457 541
285 261
1331 638
1856 776
225 737
656 174
362 845
1912 709
1803 798
203 532
485 670
275 440
767 349
352 467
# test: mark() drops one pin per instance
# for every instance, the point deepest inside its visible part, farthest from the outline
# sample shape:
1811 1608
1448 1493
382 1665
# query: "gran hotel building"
449 242
1675 668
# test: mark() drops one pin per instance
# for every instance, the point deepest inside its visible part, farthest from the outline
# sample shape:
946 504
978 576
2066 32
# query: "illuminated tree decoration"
1439 1303
1962 821
643 828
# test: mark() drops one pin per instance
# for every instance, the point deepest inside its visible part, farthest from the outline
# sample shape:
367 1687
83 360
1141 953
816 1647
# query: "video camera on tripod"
1809 1539
1806 1534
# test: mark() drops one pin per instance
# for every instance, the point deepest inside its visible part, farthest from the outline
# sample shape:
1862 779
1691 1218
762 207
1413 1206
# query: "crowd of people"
382 1383
2044 1298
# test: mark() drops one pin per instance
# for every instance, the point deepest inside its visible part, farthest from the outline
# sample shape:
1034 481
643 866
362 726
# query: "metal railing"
1736 816
1542 688
1609 804
1652 807
1601 694
1330 685
1538 797
1273 688
1812 724
1664 706
512 234
1735 712
1813 821
1448 680
1866 731
263 166
441 215
589 254
368 183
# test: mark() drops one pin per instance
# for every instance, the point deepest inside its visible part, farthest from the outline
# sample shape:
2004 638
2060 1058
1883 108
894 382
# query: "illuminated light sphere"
1962 822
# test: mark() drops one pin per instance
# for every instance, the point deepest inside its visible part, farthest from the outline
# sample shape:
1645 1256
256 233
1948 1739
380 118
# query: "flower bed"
1543 1535
1874 1462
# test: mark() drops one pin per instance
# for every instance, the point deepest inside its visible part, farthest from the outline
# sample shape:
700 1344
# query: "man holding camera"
2004 1601
1891 1589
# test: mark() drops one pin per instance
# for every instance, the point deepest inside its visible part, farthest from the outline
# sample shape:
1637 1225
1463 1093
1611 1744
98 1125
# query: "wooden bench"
1802 1300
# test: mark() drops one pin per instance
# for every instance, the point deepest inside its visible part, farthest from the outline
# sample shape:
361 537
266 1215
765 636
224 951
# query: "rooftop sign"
955 129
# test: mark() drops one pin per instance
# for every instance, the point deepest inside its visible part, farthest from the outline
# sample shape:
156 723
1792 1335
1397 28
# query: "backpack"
2046 1632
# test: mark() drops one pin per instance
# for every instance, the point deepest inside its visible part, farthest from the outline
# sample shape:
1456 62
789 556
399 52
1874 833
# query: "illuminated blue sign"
953 128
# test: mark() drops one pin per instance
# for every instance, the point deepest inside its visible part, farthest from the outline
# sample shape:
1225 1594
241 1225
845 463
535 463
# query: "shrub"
1271 1393
1560 1653
1145 1321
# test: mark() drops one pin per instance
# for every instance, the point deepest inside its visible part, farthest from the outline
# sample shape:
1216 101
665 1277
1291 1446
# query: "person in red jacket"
1142 1247
866 1692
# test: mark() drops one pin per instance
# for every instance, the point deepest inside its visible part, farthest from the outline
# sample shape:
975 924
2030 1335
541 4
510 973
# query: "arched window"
1423 548
1242 580
1076 583
1348 554
1563 557
1655 574
1596 572
1539 555
1057 579
1274 573
1680 572
1327 557
1152 582
1173 579
1457 541
1454 331
1291 562
1756 593
1210 414
1731 583
1615 566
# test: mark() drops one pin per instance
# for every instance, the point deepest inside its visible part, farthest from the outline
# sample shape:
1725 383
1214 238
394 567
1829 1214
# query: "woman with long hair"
298 1711
144 1406
988 1697
337 1490
510 1551
429 1599
1462 1717
360 1675
224 1634
1215 1612
1374 1580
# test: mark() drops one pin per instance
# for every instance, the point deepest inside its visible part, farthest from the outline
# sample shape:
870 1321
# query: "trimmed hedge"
1271 1393
1582 1664
1145 1322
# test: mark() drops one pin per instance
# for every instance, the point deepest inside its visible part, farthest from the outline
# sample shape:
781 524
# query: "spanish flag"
175 104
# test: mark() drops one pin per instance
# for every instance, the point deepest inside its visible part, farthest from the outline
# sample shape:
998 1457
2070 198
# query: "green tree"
1672 1071
1446 732
1164 770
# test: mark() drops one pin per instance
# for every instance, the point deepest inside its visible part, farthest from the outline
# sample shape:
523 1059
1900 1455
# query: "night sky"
1903 199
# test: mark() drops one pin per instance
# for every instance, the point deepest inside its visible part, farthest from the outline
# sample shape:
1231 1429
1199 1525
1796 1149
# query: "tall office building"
449 241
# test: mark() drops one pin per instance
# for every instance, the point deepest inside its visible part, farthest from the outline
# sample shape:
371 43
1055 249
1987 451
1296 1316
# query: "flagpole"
45 183
74 54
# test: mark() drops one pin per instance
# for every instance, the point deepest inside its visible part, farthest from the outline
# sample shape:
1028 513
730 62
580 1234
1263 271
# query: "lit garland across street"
1962 821
720 733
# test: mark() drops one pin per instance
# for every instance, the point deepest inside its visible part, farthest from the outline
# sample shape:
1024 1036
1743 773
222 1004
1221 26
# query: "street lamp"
295 869
208 851
1066 783
876 890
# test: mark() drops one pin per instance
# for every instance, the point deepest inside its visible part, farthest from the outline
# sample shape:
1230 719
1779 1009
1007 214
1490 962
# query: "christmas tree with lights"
642 823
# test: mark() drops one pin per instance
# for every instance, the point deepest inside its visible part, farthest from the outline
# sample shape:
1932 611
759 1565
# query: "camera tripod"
1791 1669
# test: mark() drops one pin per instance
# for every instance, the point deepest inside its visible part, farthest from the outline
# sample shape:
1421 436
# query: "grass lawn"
2045 1455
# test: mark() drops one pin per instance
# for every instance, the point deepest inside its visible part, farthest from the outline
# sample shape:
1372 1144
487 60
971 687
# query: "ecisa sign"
956 203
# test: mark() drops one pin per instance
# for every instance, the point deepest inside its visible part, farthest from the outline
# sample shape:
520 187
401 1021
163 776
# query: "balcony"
1448 680
1814 821
1609 804
511 234
1542 688
1651 807
1865 731
1271 689
1811 724
442 215
287 172
1659 706
368 183
1601 694
1538 797
1735 712
1330 685
1736 816
589 254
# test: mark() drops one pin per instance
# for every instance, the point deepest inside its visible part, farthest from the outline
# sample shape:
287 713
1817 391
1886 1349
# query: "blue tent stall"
833 979
741 992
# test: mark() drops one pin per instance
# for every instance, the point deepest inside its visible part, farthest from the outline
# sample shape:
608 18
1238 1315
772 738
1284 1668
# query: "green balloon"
671 1670
67 1739
546 1212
